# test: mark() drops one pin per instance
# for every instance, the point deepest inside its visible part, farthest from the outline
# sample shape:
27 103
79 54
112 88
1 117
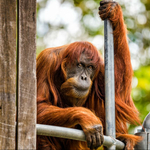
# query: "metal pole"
74 134
109 82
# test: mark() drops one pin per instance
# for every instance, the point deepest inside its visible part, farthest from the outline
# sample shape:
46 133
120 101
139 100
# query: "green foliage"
141 93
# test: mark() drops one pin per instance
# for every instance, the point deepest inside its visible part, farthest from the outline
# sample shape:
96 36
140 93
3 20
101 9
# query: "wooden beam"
26 122
7 73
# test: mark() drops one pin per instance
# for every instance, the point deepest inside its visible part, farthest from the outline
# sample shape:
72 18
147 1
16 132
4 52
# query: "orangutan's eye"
90 67
79 65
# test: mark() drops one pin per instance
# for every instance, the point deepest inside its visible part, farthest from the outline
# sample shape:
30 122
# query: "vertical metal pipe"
109 82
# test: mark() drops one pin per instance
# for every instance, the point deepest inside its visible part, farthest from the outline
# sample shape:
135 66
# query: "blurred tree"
141 91
63 21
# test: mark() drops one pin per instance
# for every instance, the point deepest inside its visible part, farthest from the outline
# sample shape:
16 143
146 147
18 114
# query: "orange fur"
51 74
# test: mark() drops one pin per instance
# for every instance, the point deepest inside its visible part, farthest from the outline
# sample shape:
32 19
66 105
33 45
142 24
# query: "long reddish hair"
50 68
51 74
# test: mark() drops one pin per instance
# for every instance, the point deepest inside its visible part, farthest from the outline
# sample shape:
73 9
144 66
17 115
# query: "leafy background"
63 21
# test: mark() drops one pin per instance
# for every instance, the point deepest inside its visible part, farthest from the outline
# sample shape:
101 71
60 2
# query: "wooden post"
26 121
7 73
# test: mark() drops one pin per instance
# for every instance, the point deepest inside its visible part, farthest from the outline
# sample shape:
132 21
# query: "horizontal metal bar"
74 134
